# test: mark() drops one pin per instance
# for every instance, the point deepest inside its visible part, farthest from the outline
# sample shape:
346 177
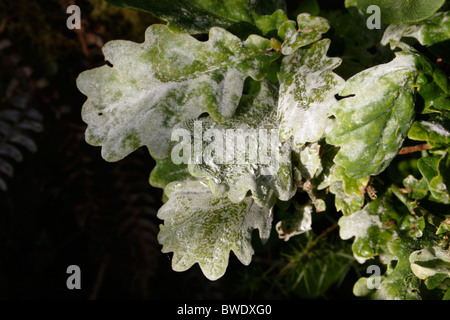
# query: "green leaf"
351 186
428 262
349 193
370 228
374 119
358 50
432 171
444 227
351 3
446 295
202 228
434 131
343 202
245 152
399 283
394 11
307 90
417 189
198 16
310 29
324 178
435 282
310 163
297 223
166 171
412 226
428 32
271 22
435 92
168 79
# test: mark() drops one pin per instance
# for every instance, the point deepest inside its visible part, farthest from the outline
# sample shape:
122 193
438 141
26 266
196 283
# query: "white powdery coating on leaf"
372 125
307 90
357 224
438 261
436 127
201 228
242 173
153 86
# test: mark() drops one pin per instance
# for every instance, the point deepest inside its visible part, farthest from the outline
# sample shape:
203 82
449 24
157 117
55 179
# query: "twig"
320 236
82 38
417 148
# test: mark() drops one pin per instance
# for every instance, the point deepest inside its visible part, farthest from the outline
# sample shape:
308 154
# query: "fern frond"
19 121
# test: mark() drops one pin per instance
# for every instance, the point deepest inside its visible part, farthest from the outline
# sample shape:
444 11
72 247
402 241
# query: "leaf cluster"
347 132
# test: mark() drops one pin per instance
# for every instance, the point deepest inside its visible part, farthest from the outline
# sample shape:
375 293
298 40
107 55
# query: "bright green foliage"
166 171
202 228
198 16
430 131
417 189
349 193
308 30
379 229
257 122
271 22
427 32
372 124
432 171
404 274
371 229
393 11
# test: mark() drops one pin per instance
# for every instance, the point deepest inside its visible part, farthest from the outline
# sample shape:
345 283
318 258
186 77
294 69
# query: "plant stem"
417 148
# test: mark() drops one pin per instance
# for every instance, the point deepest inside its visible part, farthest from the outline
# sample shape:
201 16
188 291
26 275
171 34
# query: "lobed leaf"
370 228
166 171
435 92
198 16
434 131
310 29
245 152
202 228
374 119
417 189
434 170
430 261
297 223
307 90
428 32
155 85
349 193
270 23
399 283
394 11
